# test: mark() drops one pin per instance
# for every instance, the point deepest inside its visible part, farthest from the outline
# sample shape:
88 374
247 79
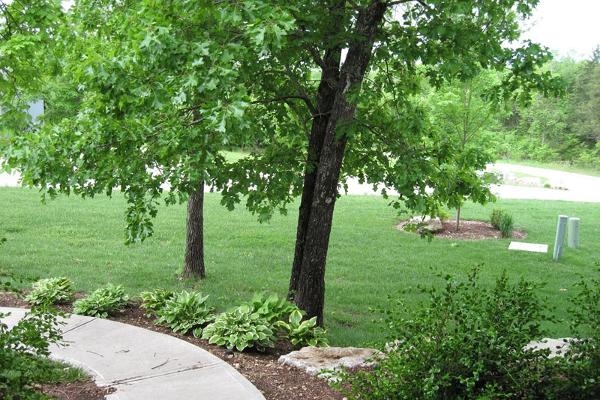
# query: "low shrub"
155 300
240 329
580 367
102 302
51 291
502 221
302 333
185 312
466 343
22 349
271 307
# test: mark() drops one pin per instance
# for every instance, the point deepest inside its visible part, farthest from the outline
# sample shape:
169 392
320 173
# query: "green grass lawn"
368 258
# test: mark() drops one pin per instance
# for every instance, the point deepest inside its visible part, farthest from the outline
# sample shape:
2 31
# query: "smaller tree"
462 118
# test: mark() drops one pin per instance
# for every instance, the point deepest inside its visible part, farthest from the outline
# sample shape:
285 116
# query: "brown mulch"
469 230
275 381
81 390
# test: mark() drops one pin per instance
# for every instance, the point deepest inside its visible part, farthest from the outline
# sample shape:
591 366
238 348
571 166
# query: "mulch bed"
469 230
86 390
275 381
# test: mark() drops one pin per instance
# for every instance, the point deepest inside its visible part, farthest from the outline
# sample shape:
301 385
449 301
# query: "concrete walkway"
141 364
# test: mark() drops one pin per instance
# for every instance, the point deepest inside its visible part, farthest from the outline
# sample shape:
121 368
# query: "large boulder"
427 223
314 360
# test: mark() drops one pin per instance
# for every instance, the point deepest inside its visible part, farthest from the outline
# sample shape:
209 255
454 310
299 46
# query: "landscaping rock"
429 224
313 360
557 347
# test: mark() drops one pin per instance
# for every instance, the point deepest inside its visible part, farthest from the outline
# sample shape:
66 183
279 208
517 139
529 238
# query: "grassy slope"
368 258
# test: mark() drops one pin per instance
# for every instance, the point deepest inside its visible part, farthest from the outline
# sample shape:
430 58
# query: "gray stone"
427 223
557 347
314 360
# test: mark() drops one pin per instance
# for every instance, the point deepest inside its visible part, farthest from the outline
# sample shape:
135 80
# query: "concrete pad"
218 382
530 247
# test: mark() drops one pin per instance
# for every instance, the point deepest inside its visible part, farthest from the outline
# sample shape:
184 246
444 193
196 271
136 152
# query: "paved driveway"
521 182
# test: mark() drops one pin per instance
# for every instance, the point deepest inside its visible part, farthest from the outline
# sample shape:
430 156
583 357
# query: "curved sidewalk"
142 364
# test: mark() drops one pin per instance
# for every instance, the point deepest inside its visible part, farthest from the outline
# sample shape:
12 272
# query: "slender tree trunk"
457 218
310 293
194 251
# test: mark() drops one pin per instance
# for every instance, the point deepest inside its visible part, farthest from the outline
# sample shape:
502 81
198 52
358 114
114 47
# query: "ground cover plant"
154 301
51 291
240 329
186 312
369 258
102 302
301 332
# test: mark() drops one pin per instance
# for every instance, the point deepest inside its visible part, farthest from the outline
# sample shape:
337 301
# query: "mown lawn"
368 259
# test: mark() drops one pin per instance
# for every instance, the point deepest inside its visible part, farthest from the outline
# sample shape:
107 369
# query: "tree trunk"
325 99
194 251
310 293
457 218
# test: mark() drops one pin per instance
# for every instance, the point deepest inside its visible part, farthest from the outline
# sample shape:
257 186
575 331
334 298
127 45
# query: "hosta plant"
51 291
240 329
186 312
302 333
102 302
271 307
155 300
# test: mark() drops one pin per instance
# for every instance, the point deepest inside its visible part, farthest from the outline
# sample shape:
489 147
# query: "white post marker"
573 233
561 230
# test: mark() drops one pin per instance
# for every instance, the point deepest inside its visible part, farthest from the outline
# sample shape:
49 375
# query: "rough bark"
194 250
325 99
310 294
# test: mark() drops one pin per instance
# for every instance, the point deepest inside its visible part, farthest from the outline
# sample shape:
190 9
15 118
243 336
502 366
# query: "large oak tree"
327 85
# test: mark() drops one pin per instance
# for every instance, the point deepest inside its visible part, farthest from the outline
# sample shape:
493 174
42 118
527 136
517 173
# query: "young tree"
462 118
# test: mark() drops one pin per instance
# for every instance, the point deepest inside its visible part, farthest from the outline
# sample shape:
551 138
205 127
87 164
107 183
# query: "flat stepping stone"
142 364
530 247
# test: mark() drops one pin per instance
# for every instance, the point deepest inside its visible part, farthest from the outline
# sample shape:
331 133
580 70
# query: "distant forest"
565 129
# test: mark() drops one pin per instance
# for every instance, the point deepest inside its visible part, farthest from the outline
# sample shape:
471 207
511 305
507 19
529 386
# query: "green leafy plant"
502 221
271 307
467 342
506 225
302 333
240 329
51 291
580 367
185 312
155 300
21 352
102 302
